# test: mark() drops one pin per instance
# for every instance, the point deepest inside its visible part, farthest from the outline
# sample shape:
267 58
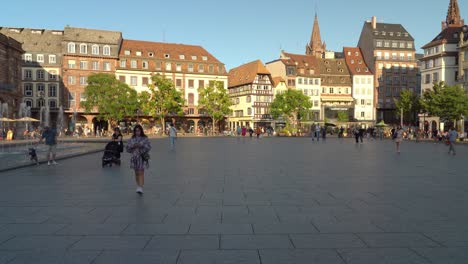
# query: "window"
144 64
316 81
158 65
28 57
71 79
191 99
204 58
427 78
133 64
83 65
71 47
52 104
52 59
201 68
394 56
410 45
95 50
150 54
122 78
167 55
387 44
144 81
107 66
331 90
194 57
394 44
435 76
402 45
52 90
387 55
40 74
249 99
28 89
123 63
40 89
106 50
201 83
178 83
71 64
83 48
182 57
138 53
40 58
96 65
249 111
190 83
306 92
134 80
27 74
168 66
127 52
211 69
190 67
363 114
290 71
52 75
379 43
178 67
299 80
316 103
29 103
83 80
82 97
40 102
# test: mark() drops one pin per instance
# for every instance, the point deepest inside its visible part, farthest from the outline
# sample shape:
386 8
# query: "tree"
409 104
214 100
450 103
291 104
111 98
162 100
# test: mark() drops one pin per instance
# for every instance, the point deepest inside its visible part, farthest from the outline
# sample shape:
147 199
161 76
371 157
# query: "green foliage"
450 103
111 98
410 104
162 100
343 116
290 104
215 101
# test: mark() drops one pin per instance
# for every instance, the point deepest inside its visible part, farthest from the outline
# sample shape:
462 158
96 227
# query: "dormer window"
349 53
182 57
328 70
167 56
138 53
341 70
366 69
194 57
352 61
406 34
83 48
204 58
326 62
360 61
356 53
376 33
127 52
106 50
390 33
150 54
339 63
95 50
398 34
71 47
384 33
358 69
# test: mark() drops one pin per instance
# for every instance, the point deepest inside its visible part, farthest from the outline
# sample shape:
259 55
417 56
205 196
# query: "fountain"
60 121
45 116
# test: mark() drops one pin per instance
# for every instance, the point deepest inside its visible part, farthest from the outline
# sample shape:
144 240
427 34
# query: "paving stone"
284 228
255 241
323 241
450 239
183 242
157 229
397 240
300 256
92 229
156 256
381 255
219 256
39 242
112 243
213 229
7 256
55 257
346 227
451 255
31 229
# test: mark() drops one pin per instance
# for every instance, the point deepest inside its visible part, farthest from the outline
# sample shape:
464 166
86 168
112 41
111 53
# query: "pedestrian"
324 133
50 136
317 132
244 131
172 135
117 137
258 131
239 131
452 138
398 137
139 146
251 131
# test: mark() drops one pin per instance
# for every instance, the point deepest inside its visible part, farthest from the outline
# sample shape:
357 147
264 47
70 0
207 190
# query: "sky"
238 31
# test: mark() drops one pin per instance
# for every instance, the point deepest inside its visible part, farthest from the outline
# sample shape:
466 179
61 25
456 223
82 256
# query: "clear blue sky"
235 32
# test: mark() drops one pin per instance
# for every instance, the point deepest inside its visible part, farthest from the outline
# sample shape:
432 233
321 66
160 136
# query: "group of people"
242 131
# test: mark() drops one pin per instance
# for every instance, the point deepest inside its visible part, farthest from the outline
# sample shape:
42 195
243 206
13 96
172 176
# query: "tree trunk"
163 124
213 126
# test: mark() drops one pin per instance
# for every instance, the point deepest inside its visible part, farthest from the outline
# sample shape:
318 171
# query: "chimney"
374 22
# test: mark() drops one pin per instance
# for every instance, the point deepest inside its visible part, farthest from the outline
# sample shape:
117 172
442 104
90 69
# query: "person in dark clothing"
361 133
251 131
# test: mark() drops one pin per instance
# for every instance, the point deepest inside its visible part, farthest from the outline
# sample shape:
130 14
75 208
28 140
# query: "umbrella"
330 124
381 124
27 119
5 119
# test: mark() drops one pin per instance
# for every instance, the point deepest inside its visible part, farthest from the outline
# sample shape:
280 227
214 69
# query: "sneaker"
54 163
48 163
139 190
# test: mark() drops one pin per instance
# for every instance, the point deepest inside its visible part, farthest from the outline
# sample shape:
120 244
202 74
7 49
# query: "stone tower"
316 47
453 16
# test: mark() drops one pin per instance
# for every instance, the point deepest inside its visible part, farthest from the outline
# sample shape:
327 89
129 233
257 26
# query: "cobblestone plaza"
242 200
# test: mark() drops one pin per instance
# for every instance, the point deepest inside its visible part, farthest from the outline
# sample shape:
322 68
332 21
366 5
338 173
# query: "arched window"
40 102
106 50
191 99
28 102
52 104
83 48
28 89
95 50
71 47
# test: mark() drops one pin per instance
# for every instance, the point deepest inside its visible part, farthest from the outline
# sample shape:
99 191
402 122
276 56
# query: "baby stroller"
111 154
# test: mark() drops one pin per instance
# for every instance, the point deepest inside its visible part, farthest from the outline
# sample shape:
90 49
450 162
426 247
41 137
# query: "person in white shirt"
172 136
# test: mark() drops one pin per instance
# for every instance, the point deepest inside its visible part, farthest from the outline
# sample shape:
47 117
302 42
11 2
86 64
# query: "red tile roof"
277 80
246 74
306 62
355 61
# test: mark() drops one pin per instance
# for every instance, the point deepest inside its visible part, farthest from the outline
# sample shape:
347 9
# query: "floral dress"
136 161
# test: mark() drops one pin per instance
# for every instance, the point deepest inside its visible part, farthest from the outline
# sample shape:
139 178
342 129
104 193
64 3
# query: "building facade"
86 51
41 68
389 52
362 85
251 93
189 67
300 72
10 72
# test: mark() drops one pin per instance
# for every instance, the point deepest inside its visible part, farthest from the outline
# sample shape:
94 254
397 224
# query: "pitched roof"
92 35
307 62
450 35
389 32
277 80
36 40
160 50
334 72
246 73
355 61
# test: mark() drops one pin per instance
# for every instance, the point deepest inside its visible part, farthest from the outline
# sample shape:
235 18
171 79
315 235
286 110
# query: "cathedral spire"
315 46
453 14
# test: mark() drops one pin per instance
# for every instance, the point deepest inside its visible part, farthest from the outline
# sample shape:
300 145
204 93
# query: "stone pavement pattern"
228 200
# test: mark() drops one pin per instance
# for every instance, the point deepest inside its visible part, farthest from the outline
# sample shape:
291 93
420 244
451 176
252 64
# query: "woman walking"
118 137
398 138
139 146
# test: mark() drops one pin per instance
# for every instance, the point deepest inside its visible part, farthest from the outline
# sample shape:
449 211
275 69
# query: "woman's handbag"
145 156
